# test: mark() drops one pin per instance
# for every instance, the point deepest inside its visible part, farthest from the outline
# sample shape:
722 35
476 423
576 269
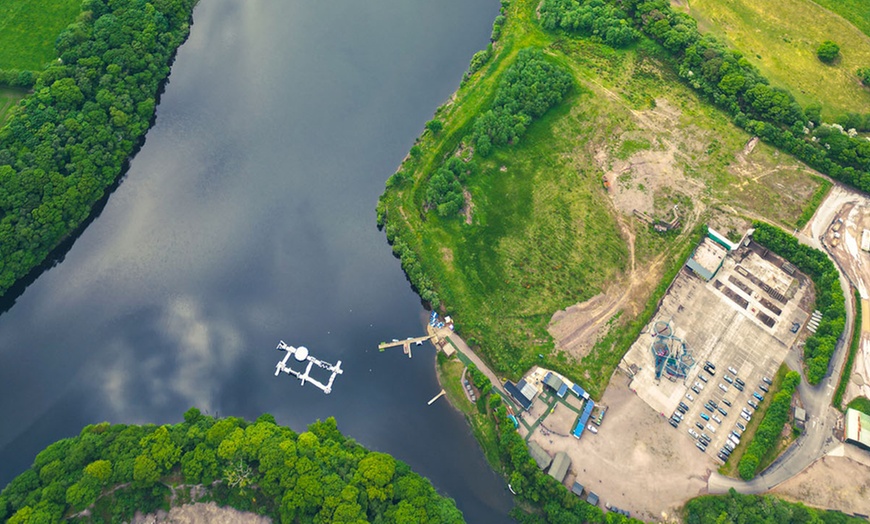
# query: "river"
248 217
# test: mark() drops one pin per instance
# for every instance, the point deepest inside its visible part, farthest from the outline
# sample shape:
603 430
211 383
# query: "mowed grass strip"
855 11
29 28
780 37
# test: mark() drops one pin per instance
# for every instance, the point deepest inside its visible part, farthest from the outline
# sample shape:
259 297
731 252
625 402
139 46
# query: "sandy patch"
201 513
833 483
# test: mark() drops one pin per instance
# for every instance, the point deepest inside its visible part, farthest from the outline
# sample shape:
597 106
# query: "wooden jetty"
436 397
406 344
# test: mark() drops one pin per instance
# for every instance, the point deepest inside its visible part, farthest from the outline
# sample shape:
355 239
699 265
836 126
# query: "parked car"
696 390
693 433
725 451
736 434
710 370
717 419
726 402
702 378
763 387
684 406
728 379
739 381
722 457
738 387
592 428
734 439
673 422
746 417
711 428
713 403
699 426
708 407
752 403
677 415
701 446
699 385
690 397
724 413
741 426
681 409
758 395
709 364
732 370
729 445
705 416
767 381
723 387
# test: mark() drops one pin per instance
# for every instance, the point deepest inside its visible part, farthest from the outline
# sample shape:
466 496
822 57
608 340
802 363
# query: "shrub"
864 75
828 51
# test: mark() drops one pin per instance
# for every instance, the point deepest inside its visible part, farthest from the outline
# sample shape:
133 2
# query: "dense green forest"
69 140
726 78
757 509
819 347
767 434
318 476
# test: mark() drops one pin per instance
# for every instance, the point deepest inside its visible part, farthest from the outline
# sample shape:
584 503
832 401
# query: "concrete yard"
722 321
634 462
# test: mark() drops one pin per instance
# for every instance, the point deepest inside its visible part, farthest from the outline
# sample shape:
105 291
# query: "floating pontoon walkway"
301 355
406 344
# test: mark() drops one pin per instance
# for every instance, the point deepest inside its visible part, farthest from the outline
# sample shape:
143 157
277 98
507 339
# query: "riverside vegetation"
68 142
108 472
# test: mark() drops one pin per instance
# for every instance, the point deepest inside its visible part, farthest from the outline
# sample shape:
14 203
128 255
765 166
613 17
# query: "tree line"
68 141
726 78
767 434
819 347
319 476
734 508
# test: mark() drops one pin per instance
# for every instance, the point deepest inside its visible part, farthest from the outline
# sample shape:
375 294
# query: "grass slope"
780 37
544 233
8 99
28 29
855 11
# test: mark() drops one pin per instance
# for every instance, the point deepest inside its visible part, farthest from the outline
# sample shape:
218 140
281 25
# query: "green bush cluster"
15 78
767 434
864 75
814 202
315 476
819 347
478 60
444 190
846 376
828 51
593 18
734 508
70 139
528 88
726 78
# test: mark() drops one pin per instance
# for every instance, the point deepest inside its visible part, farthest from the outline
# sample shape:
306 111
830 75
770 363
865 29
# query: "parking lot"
745 318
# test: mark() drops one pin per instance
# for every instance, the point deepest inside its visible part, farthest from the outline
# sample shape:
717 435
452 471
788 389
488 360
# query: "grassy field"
730 468
855 11
780 37
862 404
8 99
28 29
544 233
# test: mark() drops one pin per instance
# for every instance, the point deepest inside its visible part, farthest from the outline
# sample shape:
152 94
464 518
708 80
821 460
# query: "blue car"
758 396
705 416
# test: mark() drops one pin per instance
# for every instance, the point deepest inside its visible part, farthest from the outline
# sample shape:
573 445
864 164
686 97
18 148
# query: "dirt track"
201 513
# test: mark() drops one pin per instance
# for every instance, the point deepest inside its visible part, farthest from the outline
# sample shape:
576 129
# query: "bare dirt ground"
833 483
839 224
201 513
634 462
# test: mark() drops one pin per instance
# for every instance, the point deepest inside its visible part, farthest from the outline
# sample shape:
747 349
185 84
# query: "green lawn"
29 28
862 404
855 11
780 37
8 99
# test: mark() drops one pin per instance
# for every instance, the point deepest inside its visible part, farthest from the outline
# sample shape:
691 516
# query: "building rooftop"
707 258
800 414
592 498
517 394
858 428
577 489
553 381
541 457
560 465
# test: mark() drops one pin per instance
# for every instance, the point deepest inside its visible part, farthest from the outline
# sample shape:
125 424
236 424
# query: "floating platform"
301 354
406 344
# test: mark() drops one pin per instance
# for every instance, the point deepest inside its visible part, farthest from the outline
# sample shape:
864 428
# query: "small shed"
800 416
560 465
592 498
577 489
542 458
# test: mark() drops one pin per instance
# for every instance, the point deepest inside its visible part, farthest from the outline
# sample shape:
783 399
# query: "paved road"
817 440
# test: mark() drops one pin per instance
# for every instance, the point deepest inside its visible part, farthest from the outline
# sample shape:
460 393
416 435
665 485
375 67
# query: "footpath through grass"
29 28
784 47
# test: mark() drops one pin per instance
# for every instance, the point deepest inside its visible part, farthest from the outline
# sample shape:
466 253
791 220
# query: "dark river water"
247 218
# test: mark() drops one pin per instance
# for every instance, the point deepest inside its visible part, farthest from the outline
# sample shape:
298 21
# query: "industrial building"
522 392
